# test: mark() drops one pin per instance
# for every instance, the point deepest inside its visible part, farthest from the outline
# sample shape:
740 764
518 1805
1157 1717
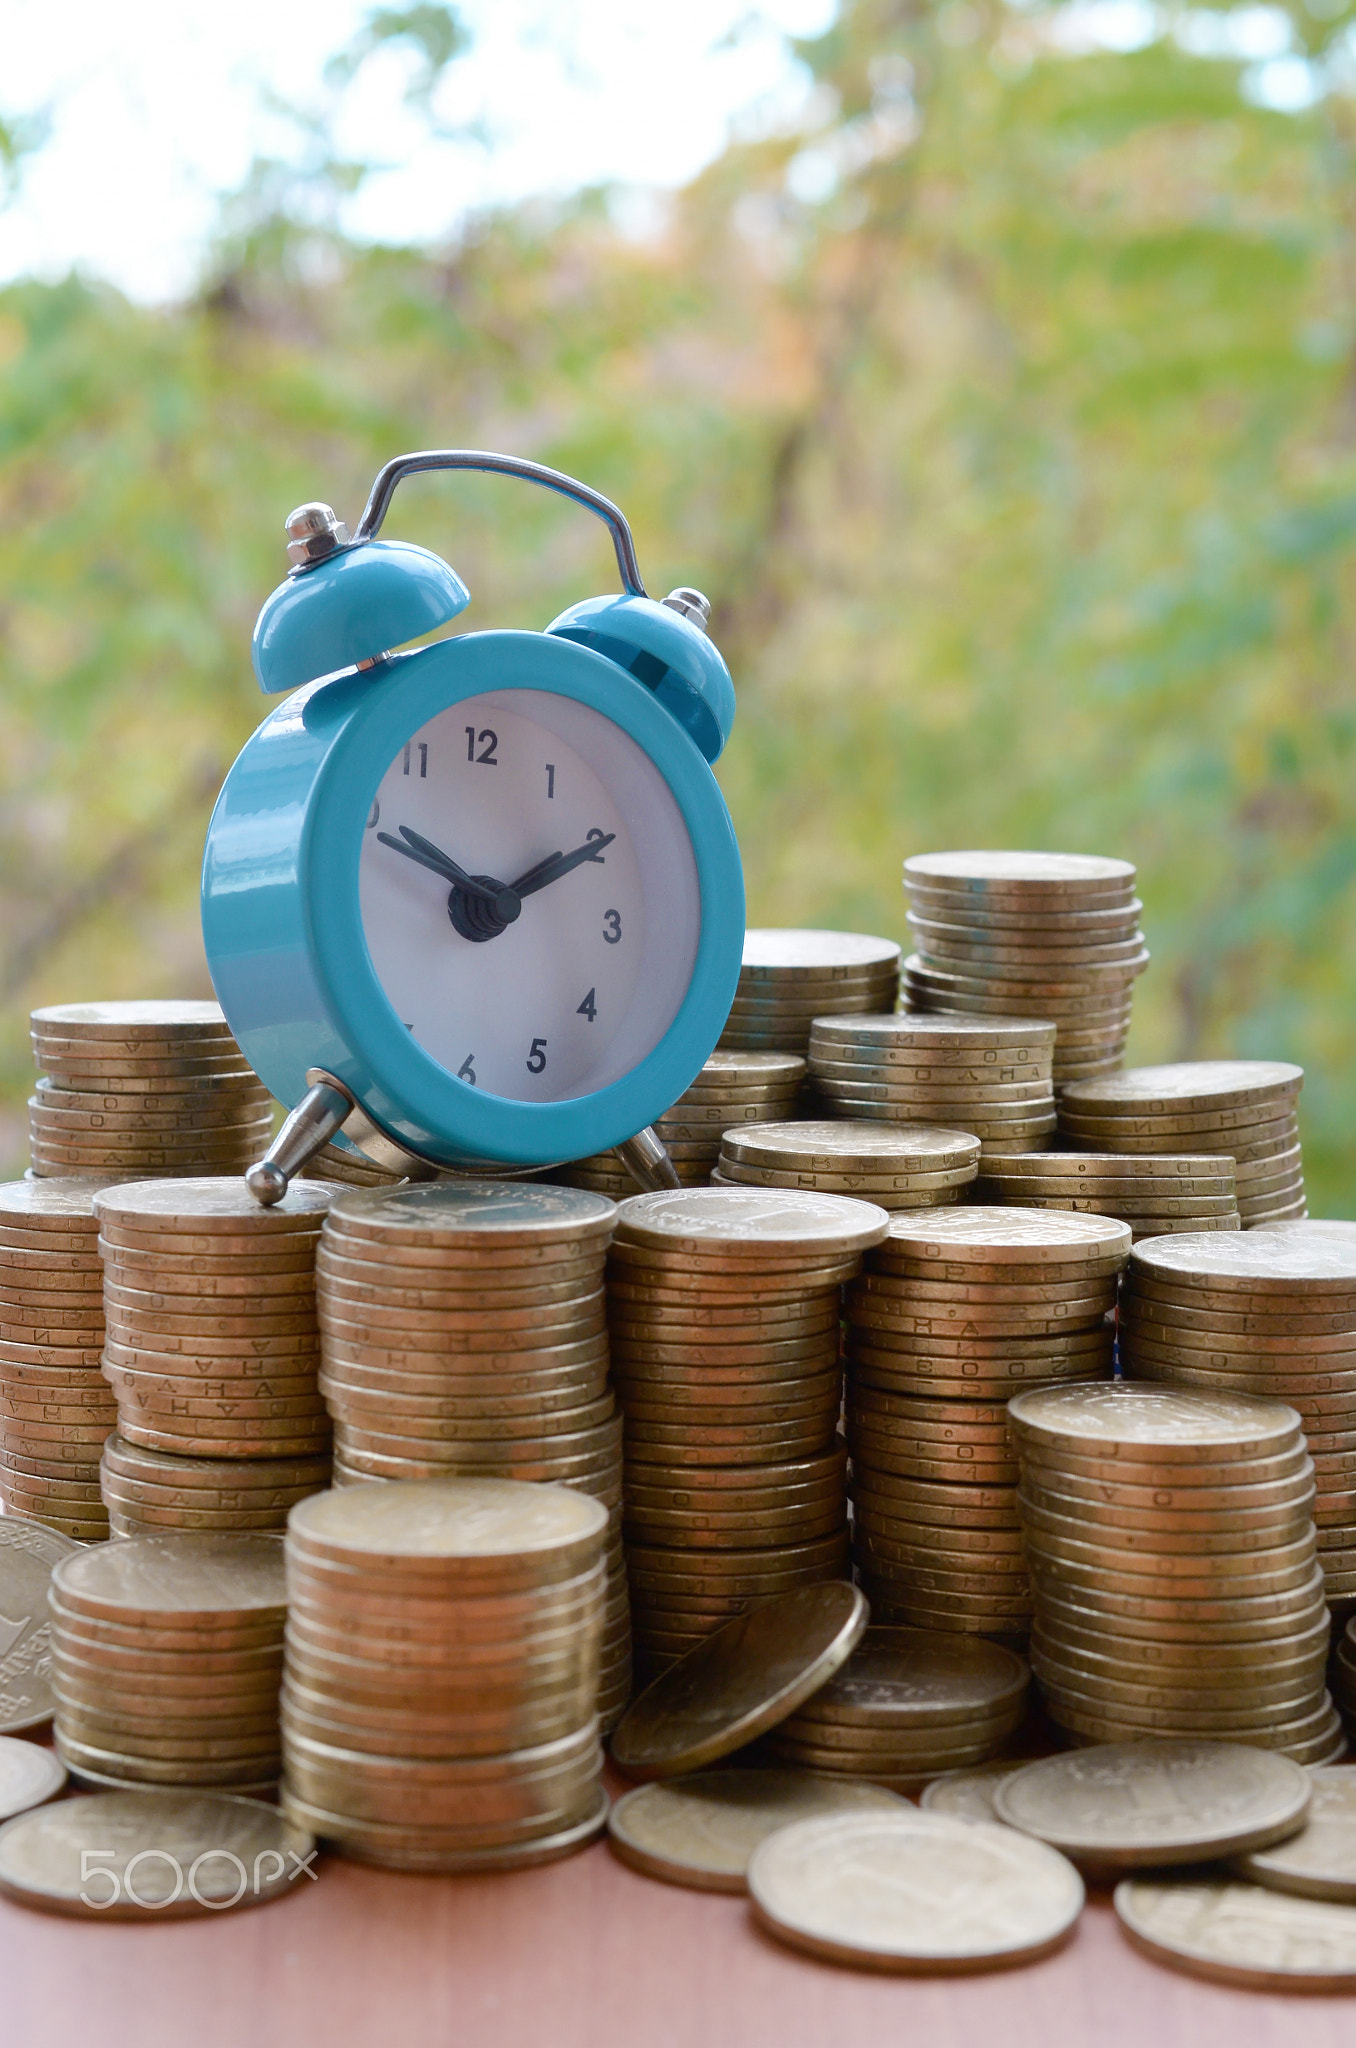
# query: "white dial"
559 987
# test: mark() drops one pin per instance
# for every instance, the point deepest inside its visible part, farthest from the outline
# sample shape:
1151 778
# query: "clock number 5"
611 927
536 1059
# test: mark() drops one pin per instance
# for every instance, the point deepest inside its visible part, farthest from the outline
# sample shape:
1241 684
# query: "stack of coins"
442 1672
212 1347
166 1660
907 1704
989 1075
143 1088
464 1332
732 1088
1171 1543
1344 1672
55 1406
791 977
1265 1313
1244 1110
150 1491
954 1313
1052 935
351 1168
724 1309
896 1166
1157 1194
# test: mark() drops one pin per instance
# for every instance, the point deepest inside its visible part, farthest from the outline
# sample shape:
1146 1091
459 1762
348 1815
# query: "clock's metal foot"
314 1121
647 1162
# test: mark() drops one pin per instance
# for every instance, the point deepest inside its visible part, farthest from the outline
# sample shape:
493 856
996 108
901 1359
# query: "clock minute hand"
559 864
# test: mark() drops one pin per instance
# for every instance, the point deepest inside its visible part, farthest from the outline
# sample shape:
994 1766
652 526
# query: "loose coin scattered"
701 1830
29 1776
1320 1861
1129 1804
134 1855
1241 1934
913 1891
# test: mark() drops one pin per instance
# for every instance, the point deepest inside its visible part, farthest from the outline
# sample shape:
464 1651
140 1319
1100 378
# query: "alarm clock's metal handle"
327 1108
369 526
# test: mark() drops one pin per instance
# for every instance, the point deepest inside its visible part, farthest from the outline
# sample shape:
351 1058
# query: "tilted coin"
1241 1934
701 1830
1136 1803
740 1681
128 1855
913 1891
28 1553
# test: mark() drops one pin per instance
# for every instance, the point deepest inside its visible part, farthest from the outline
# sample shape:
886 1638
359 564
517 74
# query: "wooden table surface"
580 1954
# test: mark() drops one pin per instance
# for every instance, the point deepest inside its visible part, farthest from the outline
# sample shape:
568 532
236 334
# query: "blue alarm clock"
480 903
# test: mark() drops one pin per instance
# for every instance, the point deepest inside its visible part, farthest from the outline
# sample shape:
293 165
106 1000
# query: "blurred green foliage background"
1007 414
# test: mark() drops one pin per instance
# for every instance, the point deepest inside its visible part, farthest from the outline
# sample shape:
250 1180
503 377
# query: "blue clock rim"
407 1090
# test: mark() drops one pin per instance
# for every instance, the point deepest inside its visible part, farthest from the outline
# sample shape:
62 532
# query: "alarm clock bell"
350 601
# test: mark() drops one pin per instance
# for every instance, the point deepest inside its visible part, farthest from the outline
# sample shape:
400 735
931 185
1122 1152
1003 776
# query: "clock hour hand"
416 848
557 864
480 906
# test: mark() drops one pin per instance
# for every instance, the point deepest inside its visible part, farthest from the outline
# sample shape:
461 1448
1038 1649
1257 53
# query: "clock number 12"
487 740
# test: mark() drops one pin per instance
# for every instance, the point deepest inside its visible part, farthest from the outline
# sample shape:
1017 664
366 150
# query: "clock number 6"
466 1072
611 927
536 1059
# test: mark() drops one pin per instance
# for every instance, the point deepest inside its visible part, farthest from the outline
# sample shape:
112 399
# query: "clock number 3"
611 927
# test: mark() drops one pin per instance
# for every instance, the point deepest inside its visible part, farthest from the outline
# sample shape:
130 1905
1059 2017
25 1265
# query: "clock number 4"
487 742
589 1007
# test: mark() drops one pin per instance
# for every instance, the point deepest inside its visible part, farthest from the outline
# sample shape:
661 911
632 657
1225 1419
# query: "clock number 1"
550 778
488 741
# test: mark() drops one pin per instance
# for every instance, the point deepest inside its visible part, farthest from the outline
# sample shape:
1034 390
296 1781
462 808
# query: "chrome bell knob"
691 604
313 532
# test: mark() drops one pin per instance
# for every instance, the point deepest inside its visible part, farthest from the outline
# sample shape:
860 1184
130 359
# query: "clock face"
540 986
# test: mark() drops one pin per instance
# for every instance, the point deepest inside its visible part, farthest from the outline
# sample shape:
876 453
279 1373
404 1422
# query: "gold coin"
701 1830
912 1891
749 1222
210 1208
1154 1425
496 1533
182 1578
161 1853
1130 1804
740 1681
